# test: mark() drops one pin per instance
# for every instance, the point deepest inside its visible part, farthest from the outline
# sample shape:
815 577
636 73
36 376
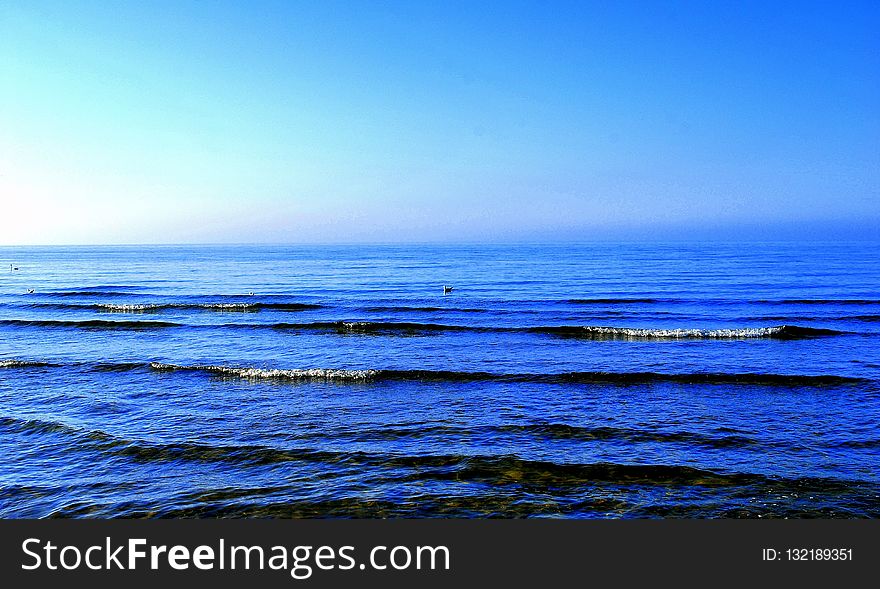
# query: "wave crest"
24 364
90 323
240 307
122 308
613 378
274 373
598 332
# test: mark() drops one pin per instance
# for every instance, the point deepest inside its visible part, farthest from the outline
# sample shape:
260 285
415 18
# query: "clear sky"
174 122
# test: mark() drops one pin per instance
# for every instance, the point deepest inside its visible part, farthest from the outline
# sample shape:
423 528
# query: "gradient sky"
176 122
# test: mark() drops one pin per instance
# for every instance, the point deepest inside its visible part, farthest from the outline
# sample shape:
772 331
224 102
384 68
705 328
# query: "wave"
865 318
414 328
227 307
380 327
508 483
623 378
861 444
156 307
265 454
579 331
565 431
462 466
557 431
26 364
596 332
37 426
114 366
374 375
121 308
274 373
504 469
90 324
553 431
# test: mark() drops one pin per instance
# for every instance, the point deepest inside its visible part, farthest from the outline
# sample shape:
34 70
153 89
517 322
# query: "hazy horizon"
297 123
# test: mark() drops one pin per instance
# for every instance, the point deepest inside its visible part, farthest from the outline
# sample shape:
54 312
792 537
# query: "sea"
588 380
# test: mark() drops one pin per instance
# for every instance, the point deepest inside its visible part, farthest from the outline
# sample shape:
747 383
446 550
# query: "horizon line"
448 243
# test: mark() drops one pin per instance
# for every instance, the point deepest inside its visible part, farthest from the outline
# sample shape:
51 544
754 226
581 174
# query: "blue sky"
173 122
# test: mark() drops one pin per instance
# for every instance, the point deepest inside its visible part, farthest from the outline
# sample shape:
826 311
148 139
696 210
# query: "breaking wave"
275 373
582 331
90 323
156 307
25 364
387 375
231 307
416 328
777 332
623 378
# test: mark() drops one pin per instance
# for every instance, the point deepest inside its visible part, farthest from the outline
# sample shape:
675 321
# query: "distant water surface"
588 380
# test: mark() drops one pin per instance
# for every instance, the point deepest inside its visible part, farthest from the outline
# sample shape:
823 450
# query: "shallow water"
590 380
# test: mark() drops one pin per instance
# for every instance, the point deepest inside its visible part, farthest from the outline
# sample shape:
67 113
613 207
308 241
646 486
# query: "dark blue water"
593 380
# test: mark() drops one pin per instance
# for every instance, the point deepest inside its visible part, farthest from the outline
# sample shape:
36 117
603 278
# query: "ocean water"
584 381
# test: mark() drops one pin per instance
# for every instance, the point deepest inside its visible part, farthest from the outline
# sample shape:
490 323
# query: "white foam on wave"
141 307
230 306
134 308
19 364
129 308
276 373
747 332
